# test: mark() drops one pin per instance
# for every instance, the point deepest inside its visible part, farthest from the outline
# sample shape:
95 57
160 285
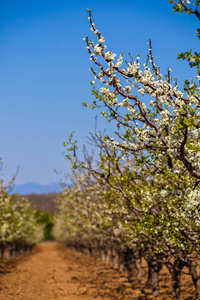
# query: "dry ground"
54 272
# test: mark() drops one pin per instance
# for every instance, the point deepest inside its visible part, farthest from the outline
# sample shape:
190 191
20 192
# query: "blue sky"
45 74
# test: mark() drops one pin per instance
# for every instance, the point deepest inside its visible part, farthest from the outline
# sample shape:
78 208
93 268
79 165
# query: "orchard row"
140 195
19 229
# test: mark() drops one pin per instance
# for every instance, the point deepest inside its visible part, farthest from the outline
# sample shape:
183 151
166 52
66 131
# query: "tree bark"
154 268
2 252
129 262
153 275
105 255
138 268
176 276
195 278
114 258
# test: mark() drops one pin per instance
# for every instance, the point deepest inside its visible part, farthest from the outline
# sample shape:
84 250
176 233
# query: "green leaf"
198 32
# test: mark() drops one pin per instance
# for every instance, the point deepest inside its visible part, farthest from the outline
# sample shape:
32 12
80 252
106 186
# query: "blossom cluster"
18 225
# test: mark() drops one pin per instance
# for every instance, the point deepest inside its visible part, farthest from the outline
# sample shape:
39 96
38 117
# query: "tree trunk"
9 252
138 268
195 278
153 275
129 262
12 252
154 278
105 256
176 276
114 258
121 262
2 252
197 285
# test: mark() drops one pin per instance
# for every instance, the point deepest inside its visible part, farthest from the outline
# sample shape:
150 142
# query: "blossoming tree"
151 166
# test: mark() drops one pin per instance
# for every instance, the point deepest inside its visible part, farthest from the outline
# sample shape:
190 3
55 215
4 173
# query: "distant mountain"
36 188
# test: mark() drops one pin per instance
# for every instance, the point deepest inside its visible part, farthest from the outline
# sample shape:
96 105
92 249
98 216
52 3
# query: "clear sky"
45 74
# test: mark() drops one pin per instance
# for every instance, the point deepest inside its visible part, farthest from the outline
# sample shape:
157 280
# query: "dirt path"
44 275
54 272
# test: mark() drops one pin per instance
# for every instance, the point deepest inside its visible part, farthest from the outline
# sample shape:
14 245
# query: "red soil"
54 272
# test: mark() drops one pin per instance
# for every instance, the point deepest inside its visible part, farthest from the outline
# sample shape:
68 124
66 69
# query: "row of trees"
140 196
19 227
131 216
